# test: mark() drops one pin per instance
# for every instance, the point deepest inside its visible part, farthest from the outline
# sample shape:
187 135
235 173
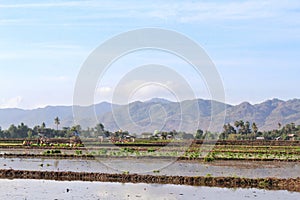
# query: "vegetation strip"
146 142
291 184
88 156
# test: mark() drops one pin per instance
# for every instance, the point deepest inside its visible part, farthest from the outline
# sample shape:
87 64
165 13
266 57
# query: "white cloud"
103 93
14 102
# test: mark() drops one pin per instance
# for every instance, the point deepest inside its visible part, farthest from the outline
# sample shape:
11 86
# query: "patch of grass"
194 155
263 184
53 151
209 157
127 150
150 150
102 152
78 152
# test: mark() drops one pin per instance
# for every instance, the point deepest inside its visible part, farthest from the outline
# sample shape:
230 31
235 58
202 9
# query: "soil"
291 184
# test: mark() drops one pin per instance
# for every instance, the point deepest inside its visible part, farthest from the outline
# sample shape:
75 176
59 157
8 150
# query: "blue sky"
254 44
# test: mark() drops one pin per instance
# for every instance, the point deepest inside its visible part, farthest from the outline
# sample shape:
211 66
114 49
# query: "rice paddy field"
172 170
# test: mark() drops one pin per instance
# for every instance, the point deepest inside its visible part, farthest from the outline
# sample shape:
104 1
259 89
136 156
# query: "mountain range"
159 114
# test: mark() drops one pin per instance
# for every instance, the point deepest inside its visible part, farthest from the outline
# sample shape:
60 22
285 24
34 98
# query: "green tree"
57 122
99 130
247 128
228 129
254 127
164 135
29 134
13 131
70 132
199 134
43 126
22 130
237 124
1 133
279 125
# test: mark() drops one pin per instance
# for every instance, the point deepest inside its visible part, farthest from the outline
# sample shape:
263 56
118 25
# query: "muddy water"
40 189
248 169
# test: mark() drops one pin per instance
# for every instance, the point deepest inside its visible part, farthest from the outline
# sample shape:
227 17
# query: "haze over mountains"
160 114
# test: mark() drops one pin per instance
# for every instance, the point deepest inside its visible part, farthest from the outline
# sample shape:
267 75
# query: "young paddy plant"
78 152
53 151
209 157
102 151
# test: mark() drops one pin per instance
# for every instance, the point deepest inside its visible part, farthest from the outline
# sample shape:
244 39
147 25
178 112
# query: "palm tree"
237 124
43 125
247 127
254 130
57 122
254 127
279 125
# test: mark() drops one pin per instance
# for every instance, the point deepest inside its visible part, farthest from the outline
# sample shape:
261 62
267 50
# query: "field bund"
292 184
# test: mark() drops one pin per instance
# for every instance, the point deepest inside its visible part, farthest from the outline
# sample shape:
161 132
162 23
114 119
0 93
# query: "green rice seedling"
78 152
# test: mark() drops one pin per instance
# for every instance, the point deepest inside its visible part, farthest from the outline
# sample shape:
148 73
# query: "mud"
292 184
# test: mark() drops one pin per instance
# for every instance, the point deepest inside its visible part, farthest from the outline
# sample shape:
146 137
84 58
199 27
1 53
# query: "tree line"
23 131
239 130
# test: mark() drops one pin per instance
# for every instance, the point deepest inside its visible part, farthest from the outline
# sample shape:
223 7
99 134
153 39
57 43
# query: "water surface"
45 189
249 169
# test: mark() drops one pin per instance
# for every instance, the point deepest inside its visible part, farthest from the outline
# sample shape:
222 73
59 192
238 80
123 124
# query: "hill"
160 114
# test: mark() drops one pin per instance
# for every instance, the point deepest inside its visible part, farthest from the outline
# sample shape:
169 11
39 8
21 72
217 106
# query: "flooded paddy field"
247 169
46 189
192 152
148 172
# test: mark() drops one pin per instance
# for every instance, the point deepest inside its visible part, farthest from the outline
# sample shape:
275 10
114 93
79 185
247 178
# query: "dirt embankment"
229 182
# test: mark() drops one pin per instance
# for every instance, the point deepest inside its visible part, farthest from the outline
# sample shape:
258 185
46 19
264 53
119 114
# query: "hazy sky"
254 44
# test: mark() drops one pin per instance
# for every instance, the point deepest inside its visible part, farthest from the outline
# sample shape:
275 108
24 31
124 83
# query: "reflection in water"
56 162
41 189
249 169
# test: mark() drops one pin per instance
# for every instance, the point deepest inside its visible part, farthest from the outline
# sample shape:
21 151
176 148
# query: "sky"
254 45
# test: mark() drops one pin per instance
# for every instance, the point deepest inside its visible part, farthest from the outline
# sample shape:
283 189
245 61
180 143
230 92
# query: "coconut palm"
254 127
57 122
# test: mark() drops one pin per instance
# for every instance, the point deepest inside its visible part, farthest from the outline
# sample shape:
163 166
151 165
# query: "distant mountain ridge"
160 114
